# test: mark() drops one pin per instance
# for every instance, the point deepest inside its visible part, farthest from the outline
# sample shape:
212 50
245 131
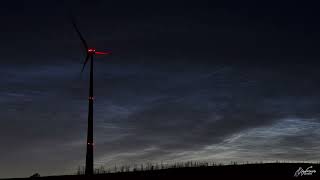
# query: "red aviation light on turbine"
91 50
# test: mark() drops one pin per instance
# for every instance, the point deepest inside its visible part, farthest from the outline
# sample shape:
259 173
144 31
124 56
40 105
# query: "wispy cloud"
155 112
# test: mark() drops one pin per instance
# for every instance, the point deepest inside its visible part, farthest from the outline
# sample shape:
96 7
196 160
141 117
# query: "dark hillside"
246 171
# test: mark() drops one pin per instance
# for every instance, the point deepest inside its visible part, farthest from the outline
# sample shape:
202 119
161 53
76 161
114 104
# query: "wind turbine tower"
90 53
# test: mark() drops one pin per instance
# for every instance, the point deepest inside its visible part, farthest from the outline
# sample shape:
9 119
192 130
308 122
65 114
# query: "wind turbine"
90 52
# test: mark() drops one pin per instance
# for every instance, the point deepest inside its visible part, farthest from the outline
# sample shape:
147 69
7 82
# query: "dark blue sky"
232 81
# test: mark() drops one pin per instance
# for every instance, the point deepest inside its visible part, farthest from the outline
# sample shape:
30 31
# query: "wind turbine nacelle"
91 51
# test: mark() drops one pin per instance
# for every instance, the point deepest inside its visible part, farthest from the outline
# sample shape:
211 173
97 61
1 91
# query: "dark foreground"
246 171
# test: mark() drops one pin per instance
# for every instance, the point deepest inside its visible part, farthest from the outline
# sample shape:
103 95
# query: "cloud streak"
154 112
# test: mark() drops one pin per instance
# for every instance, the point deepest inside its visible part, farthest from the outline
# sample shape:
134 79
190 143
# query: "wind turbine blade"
102 53
85 62
73 21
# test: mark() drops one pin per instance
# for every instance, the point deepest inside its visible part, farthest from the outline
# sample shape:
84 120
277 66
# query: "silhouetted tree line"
159 166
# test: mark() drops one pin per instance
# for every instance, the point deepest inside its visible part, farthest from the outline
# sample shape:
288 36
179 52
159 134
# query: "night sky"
199 80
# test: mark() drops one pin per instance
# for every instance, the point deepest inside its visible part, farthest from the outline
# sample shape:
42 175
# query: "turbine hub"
91 50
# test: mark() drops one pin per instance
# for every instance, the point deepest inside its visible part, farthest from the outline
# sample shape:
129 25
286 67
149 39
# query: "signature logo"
300 172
